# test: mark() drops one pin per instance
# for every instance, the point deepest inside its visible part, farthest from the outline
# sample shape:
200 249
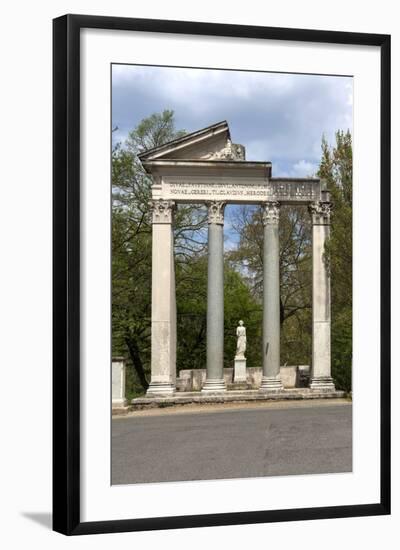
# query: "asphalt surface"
232 444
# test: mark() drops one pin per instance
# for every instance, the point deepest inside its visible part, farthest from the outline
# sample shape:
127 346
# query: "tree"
336 169
295 274
131 266
295 264
239 303
131 244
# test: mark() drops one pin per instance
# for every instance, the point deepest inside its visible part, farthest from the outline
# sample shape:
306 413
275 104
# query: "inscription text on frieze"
289 191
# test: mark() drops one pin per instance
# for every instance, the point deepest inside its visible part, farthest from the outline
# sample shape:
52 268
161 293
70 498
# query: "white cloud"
304 169
278 117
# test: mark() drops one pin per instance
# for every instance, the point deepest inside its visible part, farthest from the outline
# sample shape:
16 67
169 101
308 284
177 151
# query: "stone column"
118 383
215 299
321 298
271 300
163 304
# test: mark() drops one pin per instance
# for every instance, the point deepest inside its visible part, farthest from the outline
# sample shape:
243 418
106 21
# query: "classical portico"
206 168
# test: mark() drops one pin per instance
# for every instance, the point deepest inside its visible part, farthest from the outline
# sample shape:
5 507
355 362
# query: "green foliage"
336 170
131 247
131 257
295 275
342 348
191 303
153 131
239 303
296 264
131 267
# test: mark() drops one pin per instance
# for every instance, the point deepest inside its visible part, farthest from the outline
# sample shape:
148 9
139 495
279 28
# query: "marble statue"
241 340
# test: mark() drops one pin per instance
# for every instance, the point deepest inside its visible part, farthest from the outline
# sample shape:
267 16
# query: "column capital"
320 212
162 210
216 212
270 215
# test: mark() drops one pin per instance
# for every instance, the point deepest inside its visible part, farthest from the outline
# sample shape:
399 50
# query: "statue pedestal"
239 371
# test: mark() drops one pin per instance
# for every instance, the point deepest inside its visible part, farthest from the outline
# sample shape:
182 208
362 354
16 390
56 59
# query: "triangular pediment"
211 143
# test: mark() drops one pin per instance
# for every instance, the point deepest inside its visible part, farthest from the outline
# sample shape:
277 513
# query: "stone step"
232 397
239 386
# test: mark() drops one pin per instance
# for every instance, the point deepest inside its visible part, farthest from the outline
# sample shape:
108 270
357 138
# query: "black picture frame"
66 273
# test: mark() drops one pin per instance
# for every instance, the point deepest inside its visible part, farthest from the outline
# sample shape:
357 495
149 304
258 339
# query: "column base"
161 388
322 383
271 384
119 403
214 385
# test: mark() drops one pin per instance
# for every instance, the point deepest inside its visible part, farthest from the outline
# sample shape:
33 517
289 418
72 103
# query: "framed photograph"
221 274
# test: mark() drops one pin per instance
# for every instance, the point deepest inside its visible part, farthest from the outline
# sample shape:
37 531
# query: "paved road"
232 444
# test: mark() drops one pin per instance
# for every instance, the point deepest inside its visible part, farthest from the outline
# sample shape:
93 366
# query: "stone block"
304 372
254 376
228 375
289 375
198 379
118 382
185 380
292 376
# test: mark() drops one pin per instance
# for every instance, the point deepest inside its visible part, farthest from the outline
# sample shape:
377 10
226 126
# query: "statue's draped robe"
241 341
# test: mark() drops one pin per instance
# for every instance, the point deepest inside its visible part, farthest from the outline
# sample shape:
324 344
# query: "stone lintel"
251 187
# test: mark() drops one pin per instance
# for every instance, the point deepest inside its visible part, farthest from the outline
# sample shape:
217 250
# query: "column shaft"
321 295
271 300
163 301
215 300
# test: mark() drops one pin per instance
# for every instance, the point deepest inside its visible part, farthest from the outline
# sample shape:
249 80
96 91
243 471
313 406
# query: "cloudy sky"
278 117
